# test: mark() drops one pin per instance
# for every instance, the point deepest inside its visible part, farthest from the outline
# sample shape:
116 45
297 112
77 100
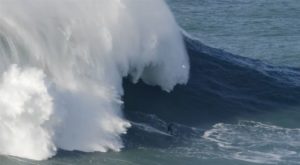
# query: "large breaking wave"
62 65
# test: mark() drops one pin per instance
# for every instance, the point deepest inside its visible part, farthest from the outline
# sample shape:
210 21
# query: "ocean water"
265 30
99 82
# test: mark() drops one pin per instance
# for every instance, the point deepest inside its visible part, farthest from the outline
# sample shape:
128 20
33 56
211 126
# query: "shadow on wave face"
222 88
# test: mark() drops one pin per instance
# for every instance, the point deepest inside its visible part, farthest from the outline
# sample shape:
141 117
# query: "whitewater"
62 68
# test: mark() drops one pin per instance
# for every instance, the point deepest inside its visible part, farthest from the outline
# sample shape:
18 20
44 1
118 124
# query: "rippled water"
265 29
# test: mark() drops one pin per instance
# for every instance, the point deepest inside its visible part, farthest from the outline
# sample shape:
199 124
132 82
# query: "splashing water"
62 64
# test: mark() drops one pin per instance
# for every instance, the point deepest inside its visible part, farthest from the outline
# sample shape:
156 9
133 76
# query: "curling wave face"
62 65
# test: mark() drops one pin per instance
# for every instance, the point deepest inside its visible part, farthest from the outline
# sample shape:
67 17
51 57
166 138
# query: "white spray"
62 63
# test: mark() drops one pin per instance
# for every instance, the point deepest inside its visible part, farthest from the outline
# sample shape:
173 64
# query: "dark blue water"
240 107
234 108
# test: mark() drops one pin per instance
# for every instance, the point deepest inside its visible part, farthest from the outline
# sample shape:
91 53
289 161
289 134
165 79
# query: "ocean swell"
62 66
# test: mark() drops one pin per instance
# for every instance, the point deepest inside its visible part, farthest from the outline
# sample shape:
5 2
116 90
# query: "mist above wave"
62 65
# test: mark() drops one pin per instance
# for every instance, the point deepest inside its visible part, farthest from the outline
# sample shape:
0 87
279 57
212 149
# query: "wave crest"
84 49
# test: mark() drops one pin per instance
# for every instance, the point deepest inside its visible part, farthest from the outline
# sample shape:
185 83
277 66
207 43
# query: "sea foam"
62 65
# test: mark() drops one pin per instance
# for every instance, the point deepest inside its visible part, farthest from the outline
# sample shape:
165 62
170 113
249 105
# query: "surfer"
170 128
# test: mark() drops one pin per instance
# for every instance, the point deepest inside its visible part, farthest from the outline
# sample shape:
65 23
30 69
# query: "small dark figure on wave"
170 129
